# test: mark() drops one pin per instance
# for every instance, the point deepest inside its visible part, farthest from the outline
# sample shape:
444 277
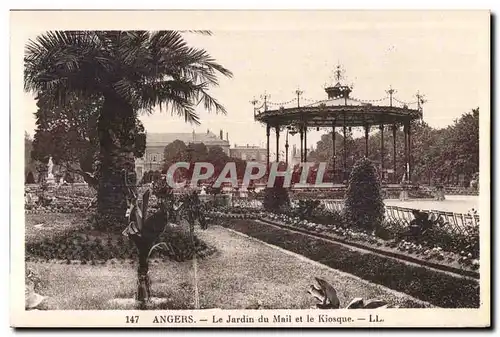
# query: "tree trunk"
116 127
143 282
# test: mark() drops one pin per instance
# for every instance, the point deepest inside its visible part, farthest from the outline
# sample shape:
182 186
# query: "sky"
442 59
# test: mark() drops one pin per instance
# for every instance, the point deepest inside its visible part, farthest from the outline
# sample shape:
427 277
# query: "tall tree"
436 154
130 71
68 134
178 151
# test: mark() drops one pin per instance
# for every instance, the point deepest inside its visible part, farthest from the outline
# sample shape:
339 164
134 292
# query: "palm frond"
179 96
63 62
133 49
201 32
211 104
176 57
146 69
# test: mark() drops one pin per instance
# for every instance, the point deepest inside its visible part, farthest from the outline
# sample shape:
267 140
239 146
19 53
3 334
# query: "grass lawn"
46 225
242 272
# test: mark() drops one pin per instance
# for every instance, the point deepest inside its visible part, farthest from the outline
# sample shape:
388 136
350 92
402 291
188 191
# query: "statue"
203 190
50 174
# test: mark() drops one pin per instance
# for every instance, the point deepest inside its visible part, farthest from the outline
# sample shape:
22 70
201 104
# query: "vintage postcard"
250 169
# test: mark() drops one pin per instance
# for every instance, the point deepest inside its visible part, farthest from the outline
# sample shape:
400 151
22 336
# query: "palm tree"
132 72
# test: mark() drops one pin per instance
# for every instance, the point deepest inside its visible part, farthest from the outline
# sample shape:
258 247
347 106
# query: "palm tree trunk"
116 127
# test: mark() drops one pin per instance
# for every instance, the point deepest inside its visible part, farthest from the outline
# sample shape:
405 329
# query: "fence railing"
455 222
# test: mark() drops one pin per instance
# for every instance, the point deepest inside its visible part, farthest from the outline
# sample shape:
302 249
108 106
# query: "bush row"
456 250
86 247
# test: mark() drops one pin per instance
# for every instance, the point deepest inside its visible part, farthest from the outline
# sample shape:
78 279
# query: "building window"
154 158
244 156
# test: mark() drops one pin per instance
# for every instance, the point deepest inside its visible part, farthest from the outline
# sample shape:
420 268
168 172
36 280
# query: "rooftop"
186 137
339 109
240 147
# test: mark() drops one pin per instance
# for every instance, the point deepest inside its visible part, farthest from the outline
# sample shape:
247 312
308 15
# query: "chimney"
221 135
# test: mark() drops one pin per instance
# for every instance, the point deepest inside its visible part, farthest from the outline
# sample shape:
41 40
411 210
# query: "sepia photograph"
250 169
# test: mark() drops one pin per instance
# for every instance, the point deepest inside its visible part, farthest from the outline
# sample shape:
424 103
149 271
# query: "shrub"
68 177
276 198
212 190
305 208
389 230
30 179
364 206
327 218
87 247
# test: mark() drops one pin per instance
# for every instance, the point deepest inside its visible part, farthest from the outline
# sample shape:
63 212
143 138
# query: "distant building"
249 153
156 142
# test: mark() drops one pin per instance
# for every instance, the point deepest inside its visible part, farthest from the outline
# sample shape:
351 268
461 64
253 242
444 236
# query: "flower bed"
91 246
439 288
71 237
59 204
64 199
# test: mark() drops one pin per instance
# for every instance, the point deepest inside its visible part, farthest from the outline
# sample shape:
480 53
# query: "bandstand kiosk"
340 111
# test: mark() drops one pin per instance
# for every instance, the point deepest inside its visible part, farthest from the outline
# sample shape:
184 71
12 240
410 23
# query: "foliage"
30 179
212 190
144 229
306 207
276 198
90 248
58 63
437 243
69 135
364 206
327 295
437 154
150 176
124 73
178 151
175 152
29 164
33 300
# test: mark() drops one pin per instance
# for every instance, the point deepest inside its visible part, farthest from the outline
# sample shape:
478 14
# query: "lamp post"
286 146
189 151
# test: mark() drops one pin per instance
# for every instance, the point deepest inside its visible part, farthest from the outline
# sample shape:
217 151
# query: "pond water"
452 203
